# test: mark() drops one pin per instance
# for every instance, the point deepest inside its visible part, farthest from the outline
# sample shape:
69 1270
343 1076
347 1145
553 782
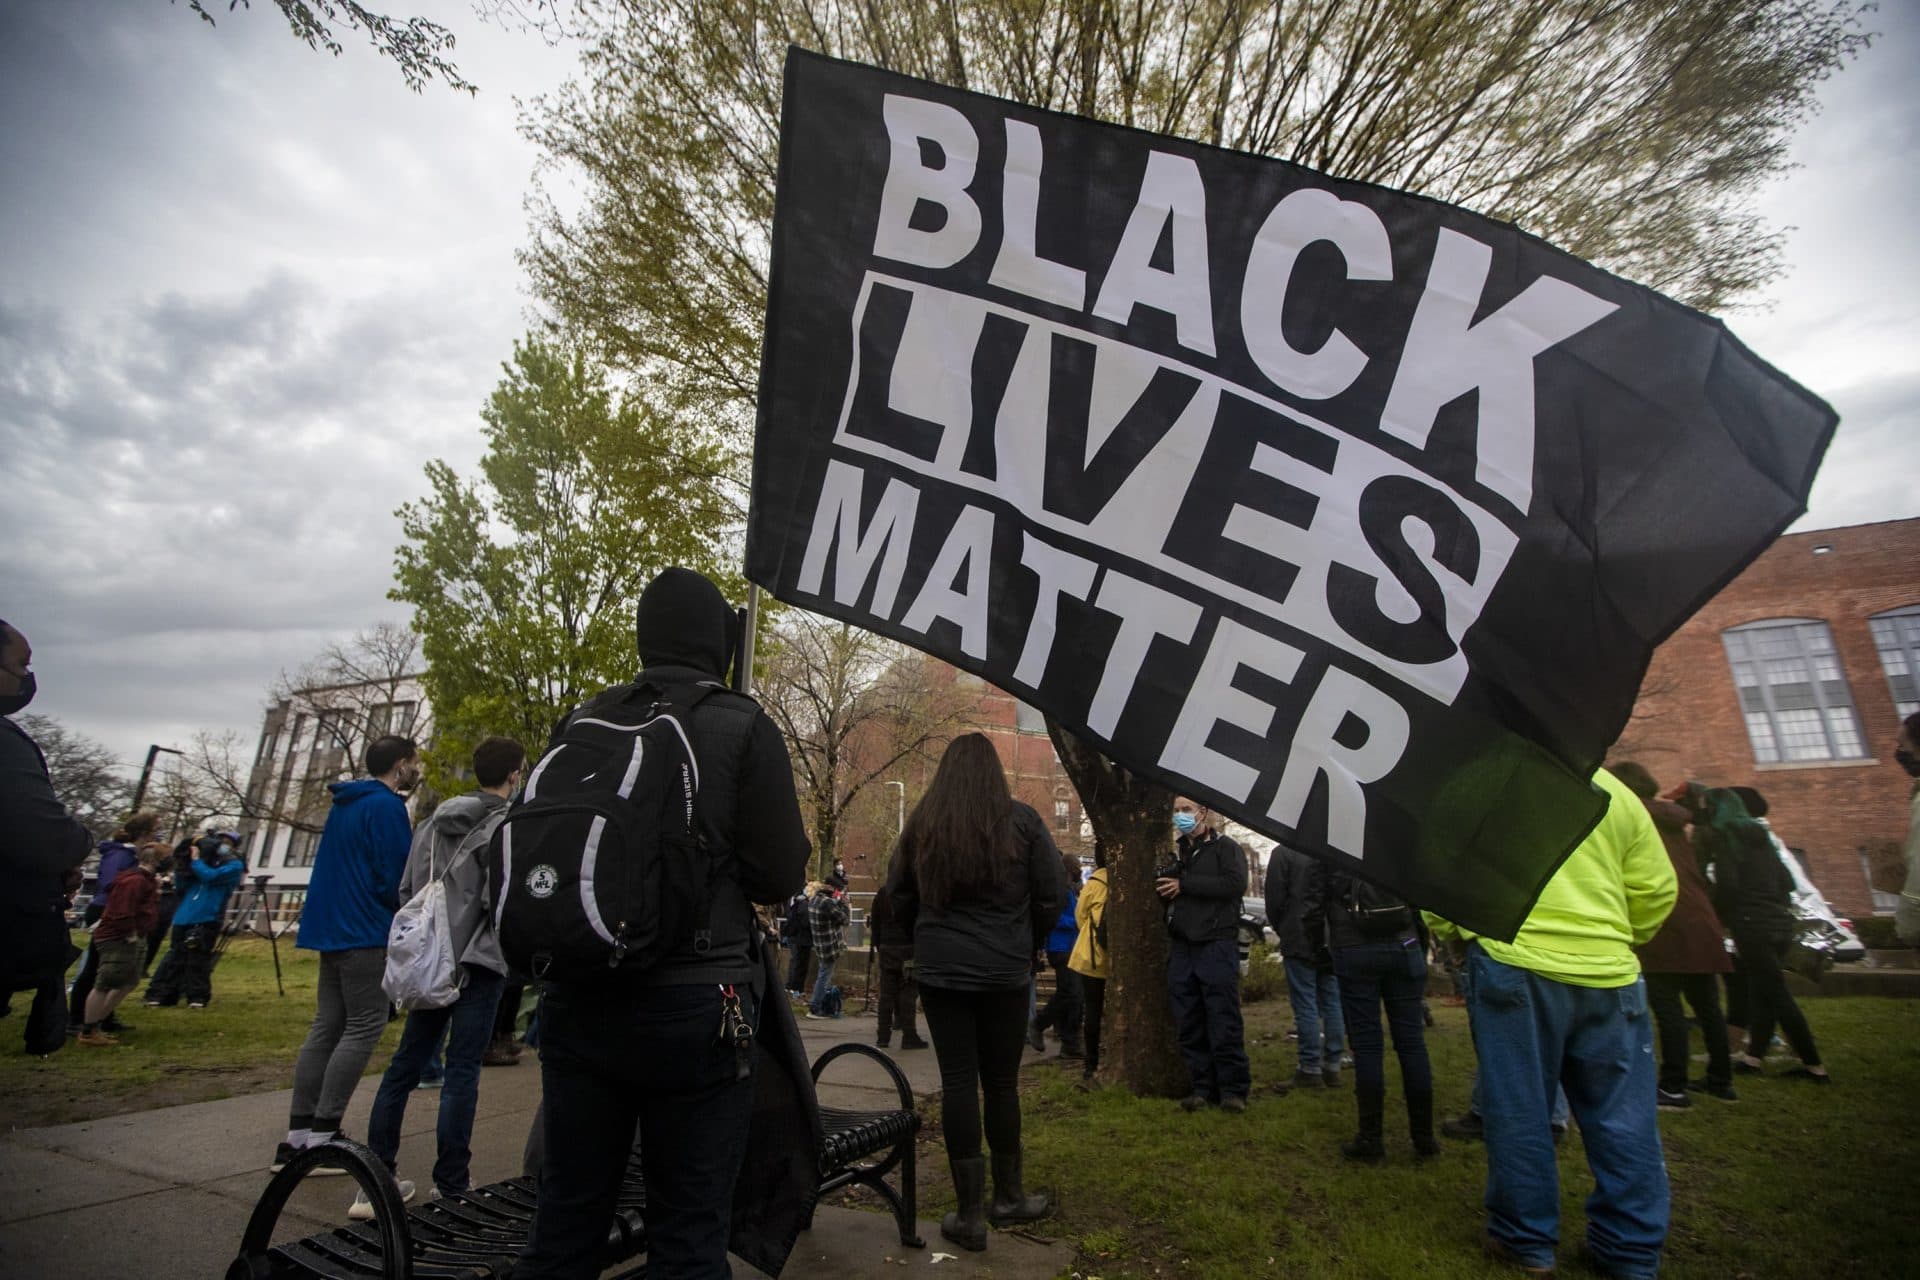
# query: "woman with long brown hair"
977 882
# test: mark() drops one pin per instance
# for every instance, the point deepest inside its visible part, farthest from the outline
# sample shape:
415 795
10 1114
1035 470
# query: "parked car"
1824 923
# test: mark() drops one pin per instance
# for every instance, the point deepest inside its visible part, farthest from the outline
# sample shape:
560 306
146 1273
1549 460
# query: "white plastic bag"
421 970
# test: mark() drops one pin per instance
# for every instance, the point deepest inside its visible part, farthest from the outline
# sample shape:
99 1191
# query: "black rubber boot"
1011 1204
1420 1124
1367 1144
967 1226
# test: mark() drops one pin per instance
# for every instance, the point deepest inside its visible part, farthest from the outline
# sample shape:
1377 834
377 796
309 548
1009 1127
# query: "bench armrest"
842 1050
396 1238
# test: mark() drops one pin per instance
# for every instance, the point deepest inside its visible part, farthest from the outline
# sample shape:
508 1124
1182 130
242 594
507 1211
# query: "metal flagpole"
743 662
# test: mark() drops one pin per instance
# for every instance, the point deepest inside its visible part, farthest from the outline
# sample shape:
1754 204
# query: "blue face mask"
1185 823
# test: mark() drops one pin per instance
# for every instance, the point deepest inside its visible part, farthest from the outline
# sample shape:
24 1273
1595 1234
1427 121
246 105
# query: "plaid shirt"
826 918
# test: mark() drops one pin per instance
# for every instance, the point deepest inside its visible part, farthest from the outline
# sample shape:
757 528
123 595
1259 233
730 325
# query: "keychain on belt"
735 1030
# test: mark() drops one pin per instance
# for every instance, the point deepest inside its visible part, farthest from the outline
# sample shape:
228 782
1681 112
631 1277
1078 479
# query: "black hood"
684 621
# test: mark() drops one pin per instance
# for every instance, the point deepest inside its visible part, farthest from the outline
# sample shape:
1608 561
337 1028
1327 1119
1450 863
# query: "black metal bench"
477 1234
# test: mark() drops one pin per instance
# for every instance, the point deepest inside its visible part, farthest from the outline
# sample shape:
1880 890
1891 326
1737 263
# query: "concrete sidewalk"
167 1193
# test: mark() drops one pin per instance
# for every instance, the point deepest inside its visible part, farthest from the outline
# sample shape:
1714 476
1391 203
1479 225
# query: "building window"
391 717
301 847
1792 692
1884 904
1896 634
1062 814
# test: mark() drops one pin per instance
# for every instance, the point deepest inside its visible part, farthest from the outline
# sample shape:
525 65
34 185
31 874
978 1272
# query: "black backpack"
600 868
1375 912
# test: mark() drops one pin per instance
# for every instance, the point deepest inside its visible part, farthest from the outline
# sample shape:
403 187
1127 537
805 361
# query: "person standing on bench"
977 883
448 846
349 910
646 1048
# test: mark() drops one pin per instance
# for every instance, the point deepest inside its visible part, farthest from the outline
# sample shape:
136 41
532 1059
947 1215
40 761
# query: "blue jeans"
467 1025
1531 1033
1560 1117
1394 973
821 982
1204 981
1315 997
651 1056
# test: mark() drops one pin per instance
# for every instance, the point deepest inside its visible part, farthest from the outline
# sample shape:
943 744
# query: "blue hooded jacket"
355 887
206 901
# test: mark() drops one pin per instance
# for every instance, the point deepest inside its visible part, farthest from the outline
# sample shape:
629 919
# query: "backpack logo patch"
542 881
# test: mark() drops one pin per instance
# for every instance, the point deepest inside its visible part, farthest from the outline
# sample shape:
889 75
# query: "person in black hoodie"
1203 887
976 883
1379 952
1753 896
648 1050
41 849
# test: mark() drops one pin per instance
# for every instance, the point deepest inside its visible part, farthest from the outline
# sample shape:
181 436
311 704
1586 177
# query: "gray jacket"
453 843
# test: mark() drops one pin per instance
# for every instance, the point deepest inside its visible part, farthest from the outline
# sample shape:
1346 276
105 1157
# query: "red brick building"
1793 680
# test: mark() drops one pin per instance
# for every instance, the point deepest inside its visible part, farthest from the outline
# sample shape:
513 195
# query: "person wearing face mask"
1906 917
1203 886
351 900
41 849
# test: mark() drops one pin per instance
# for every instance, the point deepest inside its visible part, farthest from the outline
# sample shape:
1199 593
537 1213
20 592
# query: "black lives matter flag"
1353 514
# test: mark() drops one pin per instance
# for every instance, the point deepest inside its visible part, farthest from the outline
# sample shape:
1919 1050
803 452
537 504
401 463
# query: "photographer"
212 869
1202 886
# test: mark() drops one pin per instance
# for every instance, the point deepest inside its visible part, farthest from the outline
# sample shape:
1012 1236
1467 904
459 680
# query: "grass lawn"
243 1042
1793 1180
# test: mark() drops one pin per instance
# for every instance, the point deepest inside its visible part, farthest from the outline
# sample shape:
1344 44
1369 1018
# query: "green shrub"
1264 978
1877 932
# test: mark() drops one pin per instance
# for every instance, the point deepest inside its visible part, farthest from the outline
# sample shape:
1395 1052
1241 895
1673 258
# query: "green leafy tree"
1634 133
523 582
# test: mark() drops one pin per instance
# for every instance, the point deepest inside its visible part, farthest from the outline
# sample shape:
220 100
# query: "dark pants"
467 1024
507 1016
1702 991
162 924
1769 1001
1204 981
1393 973
653 1057
899 993
978 1037
1062 1010
798 953
1095 992
187 969
83 978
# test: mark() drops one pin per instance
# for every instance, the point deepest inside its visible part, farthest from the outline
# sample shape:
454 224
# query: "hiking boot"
1309 1080
1468 1128
95 1038
967 1225
501 1053
1011 1204
911 1041
1500 1251
1672 1099
1330 1078
1195 1102
883 1042
1724 1092
1234 1103
1420 1124
361 1210
1036 1037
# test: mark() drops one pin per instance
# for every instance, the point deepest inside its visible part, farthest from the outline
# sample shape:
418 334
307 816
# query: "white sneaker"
362 1208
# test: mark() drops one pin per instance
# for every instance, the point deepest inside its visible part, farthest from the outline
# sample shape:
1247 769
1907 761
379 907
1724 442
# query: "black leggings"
978 1037
1769 1000
1095 992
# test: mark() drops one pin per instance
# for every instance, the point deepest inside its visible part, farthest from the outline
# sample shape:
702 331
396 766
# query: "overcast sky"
248 290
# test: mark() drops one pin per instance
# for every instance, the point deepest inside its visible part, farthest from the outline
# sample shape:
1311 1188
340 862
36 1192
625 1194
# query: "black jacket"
1327 917
884 924
1752 888
1213 880
1289 874
987 941
39 844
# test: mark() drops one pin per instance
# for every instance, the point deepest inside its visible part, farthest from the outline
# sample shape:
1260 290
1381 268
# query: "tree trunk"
1131 831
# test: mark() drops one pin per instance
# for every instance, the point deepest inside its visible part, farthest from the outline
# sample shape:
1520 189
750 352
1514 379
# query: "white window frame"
1762 657
1896 638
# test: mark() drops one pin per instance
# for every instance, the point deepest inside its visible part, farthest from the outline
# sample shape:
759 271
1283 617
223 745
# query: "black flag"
1351 513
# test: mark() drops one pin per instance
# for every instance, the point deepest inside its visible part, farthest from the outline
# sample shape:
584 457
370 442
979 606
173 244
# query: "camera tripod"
252 917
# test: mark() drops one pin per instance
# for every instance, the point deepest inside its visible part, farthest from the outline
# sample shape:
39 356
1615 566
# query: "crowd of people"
1565 1017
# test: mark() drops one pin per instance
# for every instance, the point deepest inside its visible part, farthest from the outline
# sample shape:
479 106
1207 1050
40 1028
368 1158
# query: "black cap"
684 621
